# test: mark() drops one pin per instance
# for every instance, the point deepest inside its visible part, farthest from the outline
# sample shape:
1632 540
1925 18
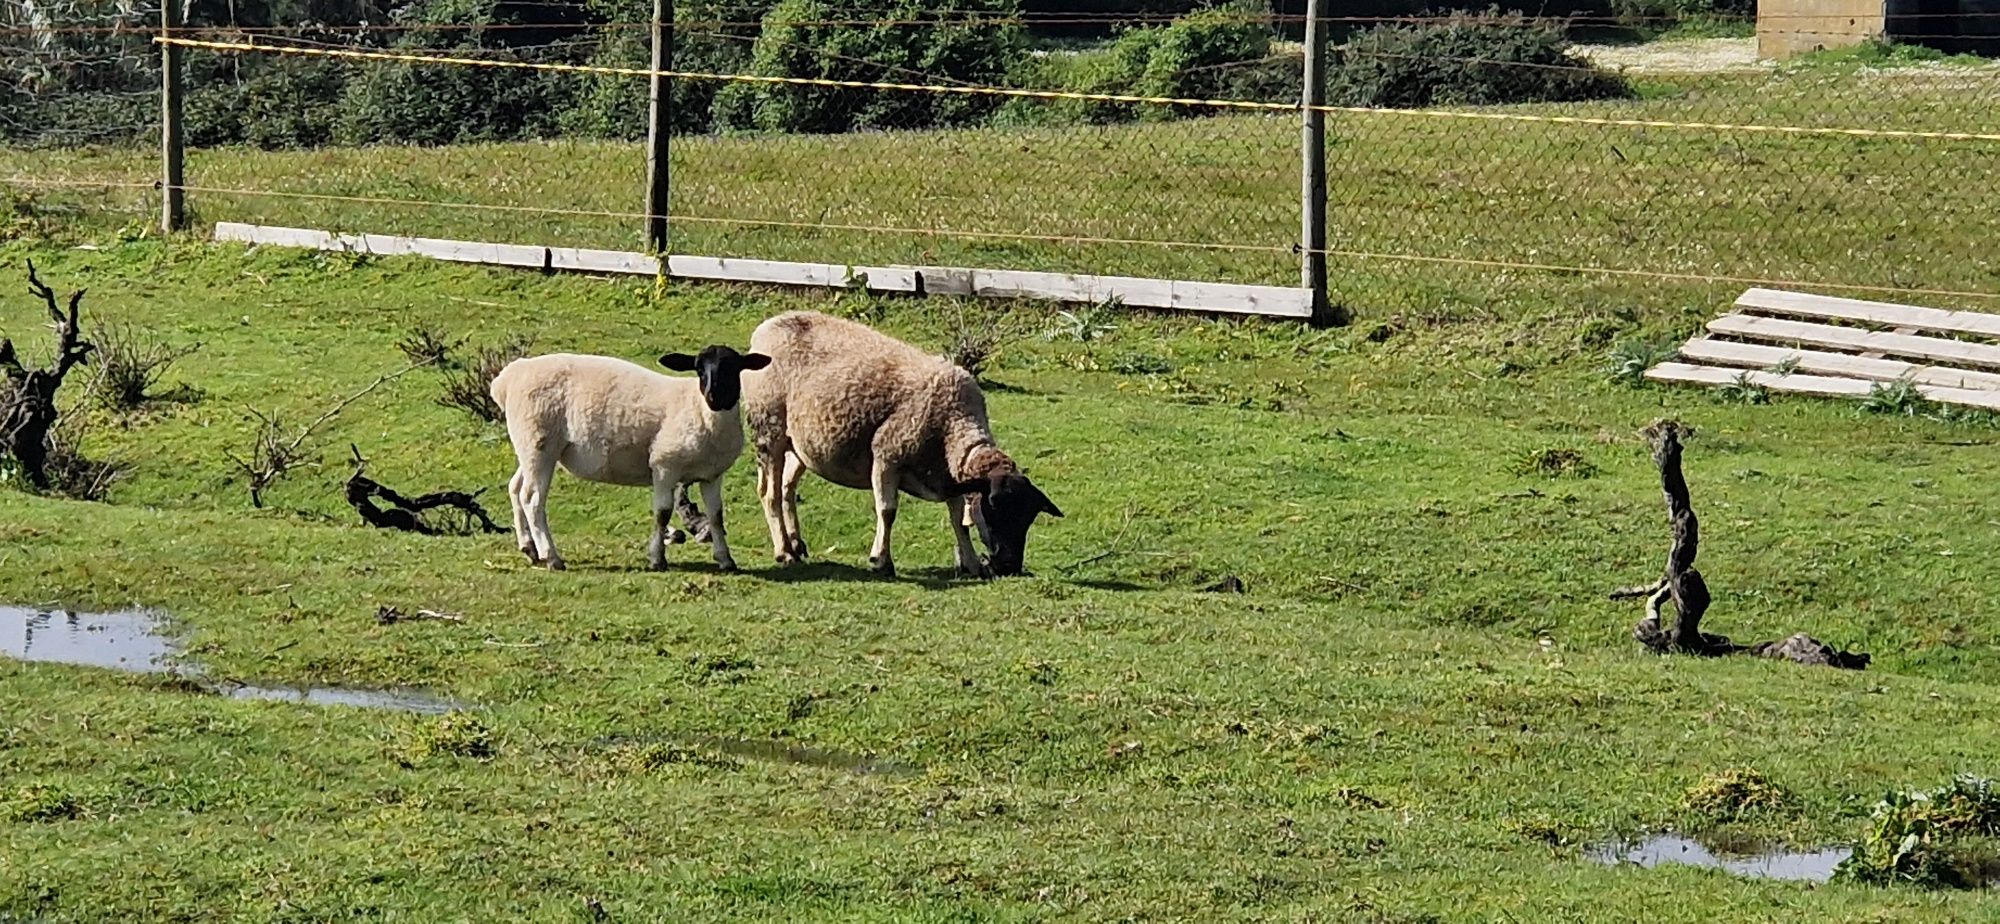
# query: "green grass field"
1421 710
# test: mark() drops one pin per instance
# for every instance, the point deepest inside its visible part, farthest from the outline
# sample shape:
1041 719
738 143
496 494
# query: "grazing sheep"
617 422
864 410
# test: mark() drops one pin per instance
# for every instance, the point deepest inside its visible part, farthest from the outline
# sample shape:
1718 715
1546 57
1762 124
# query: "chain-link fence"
969 133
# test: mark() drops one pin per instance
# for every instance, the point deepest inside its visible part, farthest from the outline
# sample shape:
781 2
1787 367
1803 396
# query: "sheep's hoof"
657 564
677 536
726 566
883 566
534 558
797 549
555 564
980 572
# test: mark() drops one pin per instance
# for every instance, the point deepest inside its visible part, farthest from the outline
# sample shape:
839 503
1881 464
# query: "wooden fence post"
660 116
172 151
1312 188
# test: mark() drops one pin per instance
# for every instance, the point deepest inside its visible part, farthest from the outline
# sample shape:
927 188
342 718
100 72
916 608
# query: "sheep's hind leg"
771 495
523 539
885 482
539 471
711 502
794 470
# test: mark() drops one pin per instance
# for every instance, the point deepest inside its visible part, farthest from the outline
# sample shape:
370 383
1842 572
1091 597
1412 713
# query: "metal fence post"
172 151
1312 189
660 115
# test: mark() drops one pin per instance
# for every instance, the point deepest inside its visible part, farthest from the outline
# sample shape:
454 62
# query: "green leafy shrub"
444 104
1931 838
1218 53
1679 11
711 37
958 44
1469 60
288 103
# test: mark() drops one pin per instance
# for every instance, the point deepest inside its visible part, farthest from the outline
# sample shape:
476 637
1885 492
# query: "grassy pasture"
1418 712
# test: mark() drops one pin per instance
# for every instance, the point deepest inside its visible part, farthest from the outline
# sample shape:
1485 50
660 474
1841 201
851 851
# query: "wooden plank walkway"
1843 348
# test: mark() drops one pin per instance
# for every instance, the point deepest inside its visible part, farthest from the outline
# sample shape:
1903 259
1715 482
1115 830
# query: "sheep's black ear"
679 362
1049 507
755 361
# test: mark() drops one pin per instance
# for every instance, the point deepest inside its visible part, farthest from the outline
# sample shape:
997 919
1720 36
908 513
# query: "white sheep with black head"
612 421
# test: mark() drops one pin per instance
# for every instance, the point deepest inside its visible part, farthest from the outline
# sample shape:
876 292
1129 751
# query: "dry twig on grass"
407 513
272 454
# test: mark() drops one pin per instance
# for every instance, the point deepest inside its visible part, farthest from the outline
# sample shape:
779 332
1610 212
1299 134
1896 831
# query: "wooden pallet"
1843 348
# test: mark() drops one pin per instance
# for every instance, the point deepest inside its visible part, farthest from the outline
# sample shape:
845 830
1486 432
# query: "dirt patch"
1690 56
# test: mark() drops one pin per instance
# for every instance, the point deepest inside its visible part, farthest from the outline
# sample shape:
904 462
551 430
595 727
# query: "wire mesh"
992 138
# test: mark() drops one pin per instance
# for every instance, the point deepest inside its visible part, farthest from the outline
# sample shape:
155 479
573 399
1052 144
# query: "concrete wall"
1790 27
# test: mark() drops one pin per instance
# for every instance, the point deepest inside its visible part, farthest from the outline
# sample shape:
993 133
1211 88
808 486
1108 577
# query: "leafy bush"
443 104
1217 53
712 37
1475 59
1929 838
1676 11
959 46
289 103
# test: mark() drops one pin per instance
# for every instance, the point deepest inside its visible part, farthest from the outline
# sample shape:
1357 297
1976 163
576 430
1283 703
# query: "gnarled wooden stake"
1683 586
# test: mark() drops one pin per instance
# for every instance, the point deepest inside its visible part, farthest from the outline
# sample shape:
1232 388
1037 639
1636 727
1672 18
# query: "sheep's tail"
498 388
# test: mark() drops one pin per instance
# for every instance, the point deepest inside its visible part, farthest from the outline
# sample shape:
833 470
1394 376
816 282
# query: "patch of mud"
136 641
1678 850
1687 56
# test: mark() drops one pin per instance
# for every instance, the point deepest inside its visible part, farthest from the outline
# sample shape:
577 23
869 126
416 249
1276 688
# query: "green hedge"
797 41
1482 59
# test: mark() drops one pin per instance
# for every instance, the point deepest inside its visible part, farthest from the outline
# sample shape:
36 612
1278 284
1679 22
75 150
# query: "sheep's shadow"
813 572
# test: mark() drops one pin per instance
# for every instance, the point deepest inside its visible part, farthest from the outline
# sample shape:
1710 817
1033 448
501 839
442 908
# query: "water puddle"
1675 849
135 641
776 752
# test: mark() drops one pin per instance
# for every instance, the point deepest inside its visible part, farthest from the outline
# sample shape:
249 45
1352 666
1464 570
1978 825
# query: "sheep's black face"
1010 504
720 370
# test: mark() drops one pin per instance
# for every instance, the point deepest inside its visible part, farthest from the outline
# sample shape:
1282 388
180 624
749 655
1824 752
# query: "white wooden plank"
280 237
603 261
1800 304
1274 301
1759 356
780 272
1823 386
1133 291
1848 338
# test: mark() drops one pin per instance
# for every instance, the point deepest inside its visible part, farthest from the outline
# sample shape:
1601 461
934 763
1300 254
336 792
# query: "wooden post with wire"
173 151
1312 188
660 116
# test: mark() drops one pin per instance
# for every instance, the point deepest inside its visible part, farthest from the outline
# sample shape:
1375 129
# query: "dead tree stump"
1682 584
28 405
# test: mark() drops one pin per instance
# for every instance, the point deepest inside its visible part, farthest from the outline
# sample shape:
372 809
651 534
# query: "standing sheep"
864 410
617 422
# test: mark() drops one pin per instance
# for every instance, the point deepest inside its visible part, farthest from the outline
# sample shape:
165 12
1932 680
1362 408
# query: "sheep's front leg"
885 481
666 488
958 509
718 538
